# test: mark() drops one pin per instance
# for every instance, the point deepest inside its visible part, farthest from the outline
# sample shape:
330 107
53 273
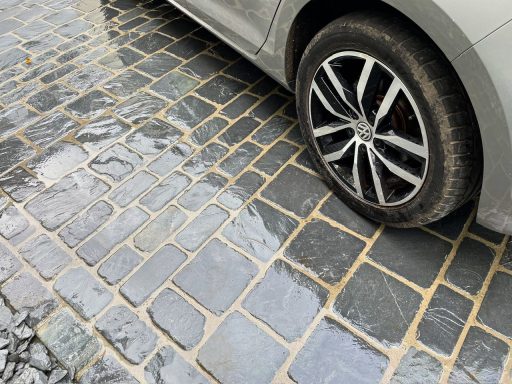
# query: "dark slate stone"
177 318
202 227
43 254
305 160
238 193
13 119
238 106
174 85
98 246
496 309
158 65
26 293
50 128
171 158
117 162
153 137
38 71
260 230
207 130
164 192
485 233
58 73
264 87
19 93
83 292
119 265
65 199
12 152
452 225
12 222
417 367
269 106
202 191
139 108
9 264
51 97
189 112
378 305
444 320
270 131
85 224
129 335
179 27
216 276
204 160
245 71
160 229
334 355
324 250
167 367
151 42
88 77
240 159
239 352
412 253
482 359
153 273
127 83
275 157
19 184
91 105
101 132
107 370
132 24
239 131
187 48
470 266
203 66
506 259
221 89
286 300
121 58
69 340
58 159
132 188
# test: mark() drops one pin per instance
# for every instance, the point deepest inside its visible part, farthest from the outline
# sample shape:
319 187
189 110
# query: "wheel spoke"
400 172
340 89
388 101
339 154
408 145
330 129
376 179
363 82
355 172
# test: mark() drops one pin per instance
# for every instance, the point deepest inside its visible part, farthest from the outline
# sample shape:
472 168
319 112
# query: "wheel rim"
368 129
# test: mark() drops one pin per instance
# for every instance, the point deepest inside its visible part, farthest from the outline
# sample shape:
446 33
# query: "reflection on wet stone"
207 130
50 128
164 192
158 65
88 77
203 66
153 137
205 159
58 73
187 47
12 152
127 83
57 160
12 119
131 189
239 131
151 42
19 184
91 105
173 85
120 59
417 367
204 190
240 159
239 192
221 89
52 97
116 162
271 130
101 132
275 157
189 112
238 106
139 108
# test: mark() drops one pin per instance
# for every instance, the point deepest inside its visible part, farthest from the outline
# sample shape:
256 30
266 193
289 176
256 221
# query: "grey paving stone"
101 132
38 71
221 89
270 131
452 225
444 320
98 246
349 358
238 106
202 227
205 159
63 16
485 233
264 87
12 222
189 111
52 97
132 23
9 264
153 273
158 65
140 107
57 160
90 105
151 42
12 152
50 128
470 266
11 57
179 27
117 162
238 193
107 370
88 77
119 265
167 367
66 198
153 137
202 191
482 359
19 93
417 367
203 66
245 71
129 335
216 276
269 106
239 351
174 85
25 293
239 131
85 224
40 45
170 159
165 191
207 130
160 229
187 48
20 185
28 32
370 294
15 118
496 309
260 230
506 259
127 83
305 160
121 58
43 254
177 318
275 157
83 292
324 250
58 73
69 341
132 188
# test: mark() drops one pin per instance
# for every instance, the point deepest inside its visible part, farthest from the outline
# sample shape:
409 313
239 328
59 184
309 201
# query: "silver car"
405 105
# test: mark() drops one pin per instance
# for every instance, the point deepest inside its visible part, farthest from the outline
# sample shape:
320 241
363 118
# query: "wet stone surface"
153 137
117 162
417 367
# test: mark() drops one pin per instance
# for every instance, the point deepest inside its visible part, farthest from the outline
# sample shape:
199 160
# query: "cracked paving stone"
88 77
98 246
101 132
275 157
9 264
129 335
325 251
139 108
177 318
216 276
207 130
12 152
26 293
90 105
57 160
286 300
151 42
205 159
174 85
269 106
132 188
127 83
69 340
43 254
164 192
158 65
59 203
120 59
152 274
160 229
117 162
202 227
58 73
245 71
153 137
482 359
470 266
260 230
50 128
51 97
238 193
417 367
444 320
221 89
240 159
167 367
202 191
270 131
119 265
349 359
189 112
107 370
296 191
412 253
369 294
12 222
238 106
19 184
239 131
203 66
239 352
496 309
83 292
85 224
13 119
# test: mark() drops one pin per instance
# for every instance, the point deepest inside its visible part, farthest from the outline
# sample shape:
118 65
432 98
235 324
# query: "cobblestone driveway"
161 221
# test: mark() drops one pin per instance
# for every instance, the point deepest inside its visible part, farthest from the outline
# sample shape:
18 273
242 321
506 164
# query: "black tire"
454 173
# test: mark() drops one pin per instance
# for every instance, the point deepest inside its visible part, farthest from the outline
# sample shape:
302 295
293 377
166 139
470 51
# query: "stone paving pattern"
161 221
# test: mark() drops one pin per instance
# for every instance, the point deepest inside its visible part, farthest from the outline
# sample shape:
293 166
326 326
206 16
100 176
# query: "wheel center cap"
364 131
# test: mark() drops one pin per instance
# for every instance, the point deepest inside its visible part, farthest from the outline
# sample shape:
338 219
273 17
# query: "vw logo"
364 131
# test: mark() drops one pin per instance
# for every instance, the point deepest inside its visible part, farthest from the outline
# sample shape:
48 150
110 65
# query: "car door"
244 22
